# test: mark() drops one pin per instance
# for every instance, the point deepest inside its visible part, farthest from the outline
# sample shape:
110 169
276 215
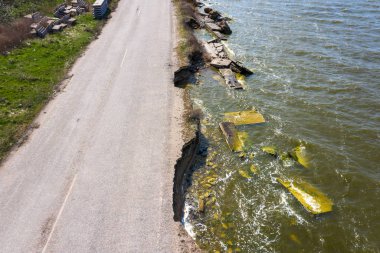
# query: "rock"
222 55
270 150
210 50
215 15
225 28
219 35
208 10
199 4
244 173
230 78
309 196
71 21
201 205
57 28
213 27
191 22
239 68
244 117
208 20
253 169
221 63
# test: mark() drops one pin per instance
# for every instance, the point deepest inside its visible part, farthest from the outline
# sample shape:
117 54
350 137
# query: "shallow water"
317 83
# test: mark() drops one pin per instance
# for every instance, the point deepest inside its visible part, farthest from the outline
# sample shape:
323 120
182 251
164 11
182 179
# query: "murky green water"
317 83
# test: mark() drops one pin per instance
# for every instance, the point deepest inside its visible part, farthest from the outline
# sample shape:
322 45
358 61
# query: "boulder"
208 10
215 15
225 28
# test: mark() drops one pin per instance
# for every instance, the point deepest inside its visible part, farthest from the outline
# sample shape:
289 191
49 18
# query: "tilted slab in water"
299 154
244 117
234 139
310 197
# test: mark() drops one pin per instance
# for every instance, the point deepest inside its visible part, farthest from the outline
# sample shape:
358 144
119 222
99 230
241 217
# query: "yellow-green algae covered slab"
234 139
270 150
310 197
244 117
299 154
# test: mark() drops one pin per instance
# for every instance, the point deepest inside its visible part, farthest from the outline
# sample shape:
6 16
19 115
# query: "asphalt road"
95 176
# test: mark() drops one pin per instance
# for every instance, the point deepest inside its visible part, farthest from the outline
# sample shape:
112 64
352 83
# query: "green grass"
12 9
29 74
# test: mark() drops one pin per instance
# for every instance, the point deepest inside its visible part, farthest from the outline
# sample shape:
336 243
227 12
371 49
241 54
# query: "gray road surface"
95 176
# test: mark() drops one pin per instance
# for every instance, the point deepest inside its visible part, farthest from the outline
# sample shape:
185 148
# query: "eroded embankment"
182 176
190 57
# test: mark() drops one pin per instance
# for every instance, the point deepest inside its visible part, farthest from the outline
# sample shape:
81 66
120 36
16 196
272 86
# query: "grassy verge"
11 10
188 46
29 74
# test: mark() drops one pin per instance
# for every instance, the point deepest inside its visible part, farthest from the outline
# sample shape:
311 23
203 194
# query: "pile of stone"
216 24
100 8
64 15
227 67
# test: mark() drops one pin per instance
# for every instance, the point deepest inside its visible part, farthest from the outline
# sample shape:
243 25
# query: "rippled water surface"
317 83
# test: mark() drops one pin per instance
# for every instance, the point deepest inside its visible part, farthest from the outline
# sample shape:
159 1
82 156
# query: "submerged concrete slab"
244 117
309 196
234 139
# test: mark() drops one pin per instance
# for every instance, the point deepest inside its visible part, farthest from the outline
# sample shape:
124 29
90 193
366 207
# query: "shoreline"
179 133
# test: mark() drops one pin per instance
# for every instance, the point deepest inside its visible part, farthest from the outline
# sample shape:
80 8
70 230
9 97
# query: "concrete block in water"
220 63
230 78
310 197
299 154
213 27
244 117
234 139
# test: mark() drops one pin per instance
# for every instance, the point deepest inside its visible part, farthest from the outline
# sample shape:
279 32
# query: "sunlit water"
317 83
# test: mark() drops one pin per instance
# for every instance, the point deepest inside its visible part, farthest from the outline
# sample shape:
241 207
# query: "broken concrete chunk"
245 174
57 28
234 139
230 78
270 150
299 154
225 28
210 50
254 169
71 21
239 68
213 27
221 63
208 20
219 35
244 117
310 197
